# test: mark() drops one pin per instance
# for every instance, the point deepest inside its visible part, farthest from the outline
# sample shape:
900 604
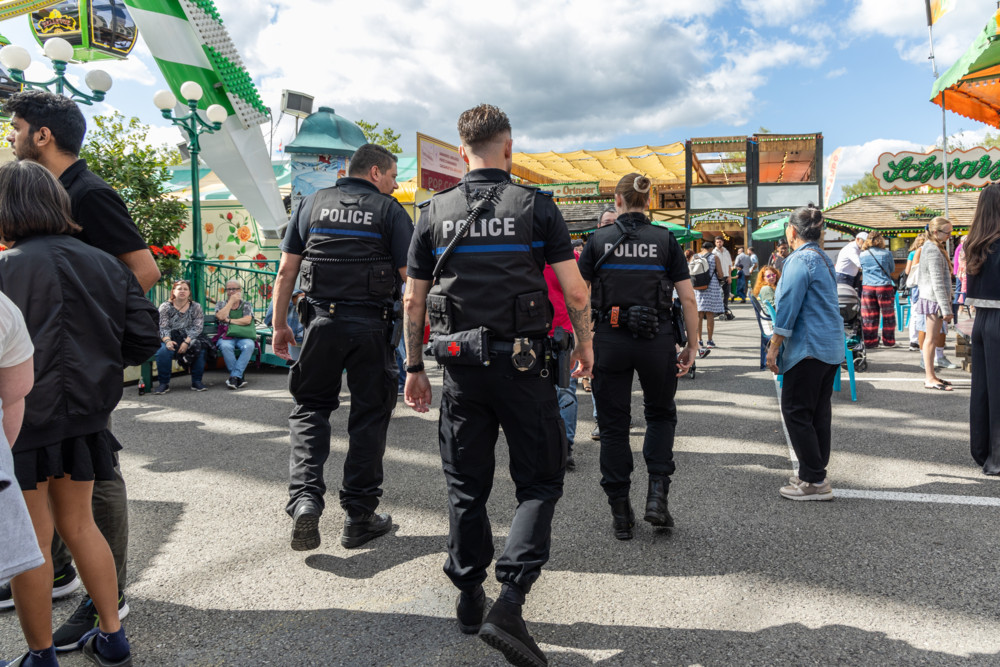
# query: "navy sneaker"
161 389
71 634
198 386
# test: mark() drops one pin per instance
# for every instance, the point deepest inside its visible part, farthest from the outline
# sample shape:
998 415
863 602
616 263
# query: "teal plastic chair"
848 354
902 313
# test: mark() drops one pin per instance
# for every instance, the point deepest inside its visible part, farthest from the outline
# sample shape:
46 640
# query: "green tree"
864 185
117 151
386 137
737 161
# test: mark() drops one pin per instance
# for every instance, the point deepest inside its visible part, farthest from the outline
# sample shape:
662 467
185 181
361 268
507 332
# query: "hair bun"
641 184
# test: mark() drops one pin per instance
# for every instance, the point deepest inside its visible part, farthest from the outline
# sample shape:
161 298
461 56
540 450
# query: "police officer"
348 244
476 262
633 268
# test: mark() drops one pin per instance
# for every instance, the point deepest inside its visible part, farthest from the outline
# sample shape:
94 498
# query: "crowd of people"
628 303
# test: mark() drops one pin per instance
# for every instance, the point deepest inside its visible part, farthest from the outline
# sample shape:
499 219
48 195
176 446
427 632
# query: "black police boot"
505 631
656 503
305 526
469 610
361 529
622 518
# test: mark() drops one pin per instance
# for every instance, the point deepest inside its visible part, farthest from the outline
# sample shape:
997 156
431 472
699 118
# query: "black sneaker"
359 530
64 582
570 463
505 631
305 526
232 382
90 652
198 386
71 633
469 610
240 383
914 347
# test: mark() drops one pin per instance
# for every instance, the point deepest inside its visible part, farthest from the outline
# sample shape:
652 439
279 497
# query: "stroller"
850 311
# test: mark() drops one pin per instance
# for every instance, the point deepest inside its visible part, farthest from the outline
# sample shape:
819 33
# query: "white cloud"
856 161
833 74
906 22
602 70
778 12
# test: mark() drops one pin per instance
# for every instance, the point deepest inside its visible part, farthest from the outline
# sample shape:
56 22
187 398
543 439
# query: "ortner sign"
572 189
908 171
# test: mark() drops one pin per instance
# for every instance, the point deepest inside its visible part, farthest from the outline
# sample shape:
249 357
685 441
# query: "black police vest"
636 273
492 279
347 257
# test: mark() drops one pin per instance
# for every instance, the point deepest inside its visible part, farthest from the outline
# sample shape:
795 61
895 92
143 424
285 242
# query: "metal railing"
256 276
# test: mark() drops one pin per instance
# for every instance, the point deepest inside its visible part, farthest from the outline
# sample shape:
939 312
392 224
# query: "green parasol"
772 231
680 232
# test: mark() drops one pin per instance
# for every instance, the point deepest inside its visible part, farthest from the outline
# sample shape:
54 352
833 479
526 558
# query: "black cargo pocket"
306 276
665 295
532 313
439 313
380 281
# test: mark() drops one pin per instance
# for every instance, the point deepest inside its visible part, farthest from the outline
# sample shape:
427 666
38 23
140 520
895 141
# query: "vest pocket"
665 295
306 276
531 313
380 280
439 313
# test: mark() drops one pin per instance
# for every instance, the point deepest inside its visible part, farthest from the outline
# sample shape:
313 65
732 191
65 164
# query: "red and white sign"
439 166
831 175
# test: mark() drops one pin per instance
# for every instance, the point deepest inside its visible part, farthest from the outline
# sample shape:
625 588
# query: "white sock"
940 352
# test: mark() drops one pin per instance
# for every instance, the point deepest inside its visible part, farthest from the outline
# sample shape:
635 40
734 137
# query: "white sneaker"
944 362
799 490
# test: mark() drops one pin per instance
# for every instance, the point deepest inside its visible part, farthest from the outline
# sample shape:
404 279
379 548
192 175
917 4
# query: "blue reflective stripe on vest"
538 244
345 232
635 267
514 247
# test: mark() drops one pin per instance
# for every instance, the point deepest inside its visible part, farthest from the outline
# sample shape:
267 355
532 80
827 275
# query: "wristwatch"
419 368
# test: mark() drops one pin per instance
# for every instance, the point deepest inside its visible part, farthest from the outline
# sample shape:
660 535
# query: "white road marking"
899 496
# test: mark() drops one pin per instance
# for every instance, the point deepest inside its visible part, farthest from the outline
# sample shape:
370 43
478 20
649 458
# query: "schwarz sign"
909 171
572 189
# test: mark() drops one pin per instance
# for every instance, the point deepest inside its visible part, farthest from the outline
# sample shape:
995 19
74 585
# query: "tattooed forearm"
580 317
414 313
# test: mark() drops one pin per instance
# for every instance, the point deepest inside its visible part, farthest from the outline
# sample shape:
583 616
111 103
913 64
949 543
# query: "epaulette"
533 188
424 204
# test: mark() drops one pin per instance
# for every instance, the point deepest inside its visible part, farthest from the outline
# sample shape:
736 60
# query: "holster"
464 348
305 310
397 324
677 320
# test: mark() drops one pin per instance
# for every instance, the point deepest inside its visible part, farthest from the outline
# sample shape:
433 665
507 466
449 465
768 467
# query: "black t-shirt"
103 215
551 246
398 227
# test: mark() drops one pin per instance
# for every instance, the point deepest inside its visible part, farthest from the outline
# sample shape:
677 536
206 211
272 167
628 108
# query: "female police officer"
633 268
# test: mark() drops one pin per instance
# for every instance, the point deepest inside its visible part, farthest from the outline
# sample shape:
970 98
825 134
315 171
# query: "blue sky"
595 75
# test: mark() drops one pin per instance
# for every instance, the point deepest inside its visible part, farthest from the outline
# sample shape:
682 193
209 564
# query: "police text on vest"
483 227
633 249
356 217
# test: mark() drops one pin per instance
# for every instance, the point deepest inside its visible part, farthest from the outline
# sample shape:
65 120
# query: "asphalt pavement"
900 569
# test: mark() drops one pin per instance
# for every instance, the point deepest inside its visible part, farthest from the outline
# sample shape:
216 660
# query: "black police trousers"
330 346
617 355
475 401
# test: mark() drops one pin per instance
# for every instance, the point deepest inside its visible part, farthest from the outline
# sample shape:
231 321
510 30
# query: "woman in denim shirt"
877 292
807 348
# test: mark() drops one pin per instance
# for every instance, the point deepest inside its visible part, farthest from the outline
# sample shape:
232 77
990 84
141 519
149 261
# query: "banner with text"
572 189
439 166
908 171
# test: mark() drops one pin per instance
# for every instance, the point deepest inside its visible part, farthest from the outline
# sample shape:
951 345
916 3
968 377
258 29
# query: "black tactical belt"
616 315
506 347
383 313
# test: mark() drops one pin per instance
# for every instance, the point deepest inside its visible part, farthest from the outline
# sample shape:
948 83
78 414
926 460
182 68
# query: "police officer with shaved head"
347 245
475 267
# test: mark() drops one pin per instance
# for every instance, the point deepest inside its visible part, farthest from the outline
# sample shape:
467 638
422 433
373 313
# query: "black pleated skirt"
85 458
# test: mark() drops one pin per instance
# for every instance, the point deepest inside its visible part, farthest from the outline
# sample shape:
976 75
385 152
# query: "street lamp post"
17 59
193 126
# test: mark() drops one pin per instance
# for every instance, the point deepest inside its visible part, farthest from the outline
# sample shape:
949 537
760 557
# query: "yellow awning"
406 191
663 164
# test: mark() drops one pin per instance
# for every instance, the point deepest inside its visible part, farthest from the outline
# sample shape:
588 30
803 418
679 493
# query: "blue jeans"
401 363
567 409
228 347
741 286
164 359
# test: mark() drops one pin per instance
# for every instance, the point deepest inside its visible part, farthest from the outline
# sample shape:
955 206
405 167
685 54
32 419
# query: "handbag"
241 331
